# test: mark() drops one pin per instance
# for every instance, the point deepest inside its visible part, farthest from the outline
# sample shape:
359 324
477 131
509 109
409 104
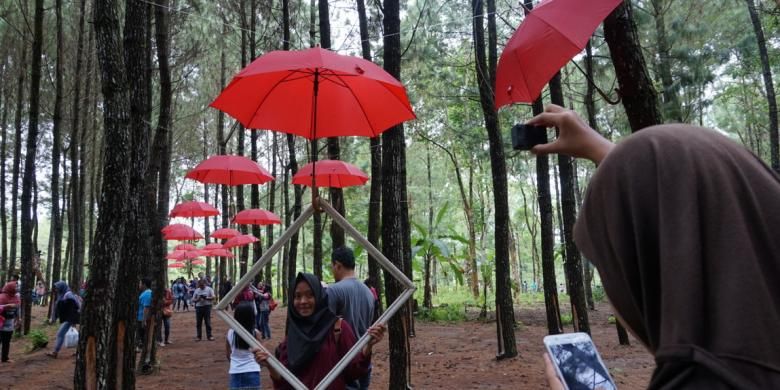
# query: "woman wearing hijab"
317 339
67 310
681 223
9 308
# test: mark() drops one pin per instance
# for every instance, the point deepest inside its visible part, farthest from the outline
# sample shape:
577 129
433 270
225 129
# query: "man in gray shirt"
350 299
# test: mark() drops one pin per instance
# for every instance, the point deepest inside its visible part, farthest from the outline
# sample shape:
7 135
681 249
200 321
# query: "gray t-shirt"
353 301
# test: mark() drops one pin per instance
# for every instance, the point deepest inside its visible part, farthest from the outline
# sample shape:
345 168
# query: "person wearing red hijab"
9 307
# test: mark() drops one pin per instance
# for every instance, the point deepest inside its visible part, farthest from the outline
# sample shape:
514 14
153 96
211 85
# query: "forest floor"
444 355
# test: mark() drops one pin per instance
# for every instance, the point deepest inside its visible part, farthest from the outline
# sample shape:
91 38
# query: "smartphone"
525 137
577 362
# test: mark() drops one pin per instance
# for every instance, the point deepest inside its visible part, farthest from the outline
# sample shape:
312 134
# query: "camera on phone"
525 137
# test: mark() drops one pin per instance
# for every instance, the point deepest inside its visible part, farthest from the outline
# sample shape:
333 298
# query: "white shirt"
241 360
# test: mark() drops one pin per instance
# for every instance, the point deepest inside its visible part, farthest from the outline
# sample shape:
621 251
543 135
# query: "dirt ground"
459 355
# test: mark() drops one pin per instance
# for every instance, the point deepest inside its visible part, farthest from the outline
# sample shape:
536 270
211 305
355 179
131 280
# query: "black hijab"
682 224
305 335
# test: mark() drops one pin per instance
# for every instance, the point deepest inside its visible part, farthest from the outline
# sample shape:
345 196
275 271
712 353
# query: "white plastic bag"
71 338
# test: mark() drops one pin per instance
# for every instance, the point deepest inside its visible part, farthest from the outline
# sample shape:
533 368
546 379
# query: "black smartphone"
525 137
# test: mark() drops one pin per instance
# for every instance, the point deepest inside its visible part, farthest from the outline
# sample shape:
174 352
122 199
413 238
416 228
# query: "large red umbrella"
197 262
180 232
218 253
551 34
330 173
224 233
256 217
183 255
176 265
241 240
185 247
193 209
229 170
315 93
213 245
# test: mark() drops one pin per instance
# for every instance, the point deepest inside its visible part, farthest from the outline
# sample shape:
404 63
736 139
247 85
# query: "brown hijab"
684 227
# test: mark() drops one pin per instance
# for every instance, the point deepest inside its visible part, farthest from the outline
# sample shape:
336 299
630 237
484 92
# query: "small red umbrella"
185 247
213 245
218 253
256 217
176 265
183 255
197 262
193 209
240 240
173 226
224 233
330 173
229 170
551 34
180 232
315 93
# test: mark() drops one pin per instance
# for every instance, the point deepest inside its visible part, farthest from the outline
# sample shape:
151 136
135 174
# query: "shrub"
598 293
38 339
443 313
566 319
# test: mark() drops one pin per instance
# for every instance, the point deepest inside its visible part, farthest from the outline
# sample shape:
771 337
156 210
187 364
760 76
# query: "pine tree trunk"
96 347
257 247
395 210
486 69
774 147
28 245
671 102
222 144
3 172
590 107
296 212
636 88
269 230
75 213
56 223
243 250
427 301
15 170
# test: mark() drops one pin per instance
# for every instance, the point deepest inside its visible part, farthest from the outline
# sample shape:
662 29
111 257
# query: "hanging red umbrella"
176 265
213 245
197 262
551 34
315 93
185 247
193 209
256 217
173 226
180 232
330 173
183 255
218 253
240 240
229 170
224 233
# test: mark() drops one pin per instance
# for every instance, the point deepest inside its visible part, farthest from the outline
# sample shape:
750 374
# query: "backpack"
272 304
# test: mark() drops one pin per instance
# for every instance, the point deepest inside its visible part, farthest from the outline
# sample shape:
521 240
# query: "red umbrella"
256 217
185 247
241 240
225 233
173 226
197 262
330 173
183 255
229 170
315 93
213 245
180 232
176 265
548 38
193 209
218 253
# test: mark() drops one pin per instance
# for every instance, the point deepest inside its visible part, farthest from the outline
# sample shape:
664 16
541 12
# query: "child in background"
244 370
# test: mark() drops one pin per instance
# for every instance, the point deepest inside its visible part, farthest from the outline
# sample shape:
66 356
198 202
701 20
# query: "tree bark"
96 347
28 245
76 231
427 301
573 263
671 102
3 198
244 250
222 144
590 107
640 99
486 70
774 147
15 170
395 210
269 230
257 247
56 223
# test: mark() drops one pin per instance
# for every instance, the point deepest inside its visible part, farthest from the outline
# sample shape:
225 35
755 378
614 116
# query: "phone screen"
580 366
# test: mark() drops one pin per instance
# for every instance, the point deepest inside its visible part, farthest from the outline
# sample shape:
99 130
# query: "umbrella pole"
314 190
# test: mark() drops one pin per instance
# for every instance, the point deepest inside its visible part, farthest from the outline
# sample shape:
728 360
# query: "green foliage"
611 320
38 339
566 319
443 313
598 293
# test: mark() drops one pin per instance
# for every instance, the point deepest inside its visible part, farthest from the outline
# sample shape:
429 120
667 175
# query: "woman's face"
304 301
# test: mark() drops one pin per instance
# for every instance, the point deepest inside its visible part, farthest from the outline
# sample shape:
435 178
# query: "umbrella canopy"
224 233
197 262
229 170
218 253
183 255
185 247
240 240
176 265
213 245
330 173
173 226
256 217
193 209
180 232
551 34
315 93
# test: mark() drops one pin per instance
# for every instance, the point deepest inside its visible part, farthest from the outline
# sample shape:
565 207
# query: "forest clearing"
390 194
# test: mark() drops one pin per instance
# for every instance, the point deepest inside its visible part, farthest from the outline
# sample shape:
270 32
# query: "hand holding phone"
577 362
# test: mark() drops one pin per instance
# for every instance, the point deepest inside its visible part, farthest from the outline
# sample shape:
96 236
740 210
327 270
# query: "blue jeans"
245 381
166 330
361 383
61 336
262 324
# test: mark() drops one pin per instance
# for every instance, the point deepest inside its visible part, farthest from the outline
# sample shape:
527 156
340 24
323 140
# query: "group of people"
323 323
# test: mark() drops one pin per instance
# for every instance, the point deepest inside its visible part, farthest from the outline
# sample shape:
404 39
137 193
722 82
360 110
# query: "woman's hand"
576 138
261 357
377 332
551 374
